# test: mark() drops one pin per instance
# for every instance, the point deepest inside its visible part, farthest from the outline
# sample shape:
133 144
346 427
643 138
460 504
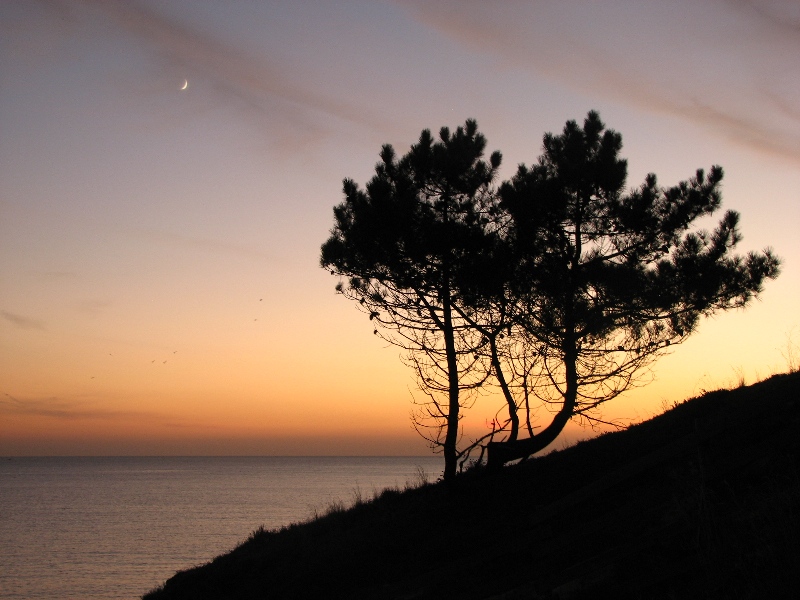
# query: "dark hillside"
700 502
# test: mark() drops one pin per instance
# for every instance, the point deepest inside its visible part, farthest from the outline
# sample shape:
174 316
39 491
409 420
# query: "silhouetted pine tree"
405 246
562 285
607 279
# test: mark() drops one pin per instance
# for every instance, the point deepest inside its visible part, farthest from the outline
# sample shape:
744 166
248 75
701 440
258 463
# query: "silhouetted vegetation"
558 287
607 279
408 244
700 502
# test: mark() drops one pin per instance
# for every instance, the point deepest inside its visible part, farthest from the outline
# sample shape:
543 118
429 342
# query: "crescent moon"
185 84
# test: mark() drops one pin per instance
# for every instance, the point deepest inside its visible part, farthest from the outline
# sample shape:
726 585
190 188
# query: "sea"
117 527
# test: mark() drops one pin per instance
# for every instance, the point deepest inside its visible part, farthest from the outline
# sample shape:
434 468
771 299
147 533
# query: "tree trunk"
513 414
451 434
499 453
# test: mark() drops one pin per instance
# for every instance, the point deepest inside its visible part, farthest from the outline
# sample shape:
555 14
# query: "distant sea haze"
117 527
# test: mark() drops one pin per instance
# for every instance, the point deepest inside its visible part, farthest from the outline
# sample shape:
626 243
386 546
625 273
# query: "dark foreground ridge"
700 502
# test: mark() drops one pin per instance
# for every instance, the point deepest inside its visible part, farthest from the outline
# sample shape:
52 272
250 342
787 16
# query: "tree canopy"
557 286
608 279
406 245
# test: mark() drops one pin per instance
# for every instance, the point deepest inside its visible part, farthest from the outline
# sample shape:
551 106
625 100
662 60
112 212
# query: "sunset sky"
160 288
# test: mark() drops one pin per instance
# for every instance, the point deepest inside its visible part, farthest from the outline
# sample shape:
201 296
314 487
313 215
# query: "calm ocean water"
117 527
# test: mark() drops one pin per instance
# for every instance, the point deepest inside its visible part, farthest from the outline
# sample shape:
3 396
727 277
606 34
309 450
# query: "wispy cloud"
214 246
21 321
259 84
56 276
56 408
782 15
92 306
727 65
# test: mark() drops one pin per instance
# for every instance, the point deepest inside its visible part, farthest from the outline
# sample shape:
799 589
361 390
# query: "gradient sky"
159 283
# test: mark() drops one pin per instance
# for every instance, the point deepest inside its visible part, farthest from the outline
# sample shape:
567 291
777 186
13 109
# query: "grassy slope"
702 501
